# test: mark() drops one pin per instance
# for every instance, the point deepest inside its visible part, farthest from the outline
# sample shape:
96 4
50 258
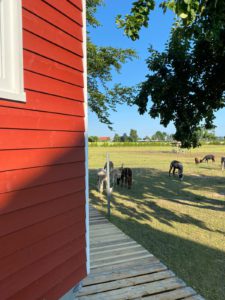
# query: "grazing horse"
208 157
222 162
176 165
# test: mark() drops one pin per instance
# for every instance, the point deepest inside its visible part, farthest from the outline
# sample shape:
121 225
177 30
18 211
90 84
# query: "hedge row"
141 144
127 144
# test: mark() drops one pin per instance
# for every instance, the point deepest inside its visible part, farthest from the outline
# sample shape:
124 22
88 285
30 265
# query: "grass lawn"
181 223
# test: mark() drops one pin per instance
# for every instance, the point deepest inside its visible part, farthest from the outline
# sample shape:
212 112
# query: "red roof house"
43 184
104 138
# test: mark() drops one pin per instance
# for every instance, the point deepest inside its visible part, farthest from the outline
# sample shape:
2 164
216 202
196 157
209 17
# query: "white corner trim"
11 51
86 137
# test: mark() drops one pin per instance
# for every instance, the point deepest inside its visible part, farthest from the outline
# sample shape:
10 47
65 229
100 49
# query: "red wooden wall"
42 159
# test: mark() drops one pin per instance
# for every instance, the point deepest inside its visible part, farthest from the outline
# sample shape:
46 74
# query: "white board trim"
11 51
86 138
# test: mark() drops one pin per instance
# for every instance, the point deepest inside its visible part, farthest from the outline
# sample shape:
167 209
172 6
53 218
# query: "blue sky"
157 34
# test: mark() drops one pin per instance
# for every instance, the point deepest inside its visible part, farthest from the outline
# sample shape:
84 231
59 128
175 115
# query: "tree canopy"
186 83
101 62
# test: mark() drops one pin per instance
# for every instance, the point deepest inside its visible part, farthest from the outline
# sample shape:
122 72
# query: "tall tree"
101 62
160 136
124 138
133 135
185 84
116 138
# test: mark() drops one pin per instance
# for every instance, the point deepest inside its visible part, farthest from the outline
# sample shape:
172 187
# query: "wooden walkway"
122 269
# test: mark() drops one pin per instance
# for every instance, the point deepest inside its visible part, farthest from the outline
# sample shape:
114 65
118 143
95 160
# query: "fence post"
108 185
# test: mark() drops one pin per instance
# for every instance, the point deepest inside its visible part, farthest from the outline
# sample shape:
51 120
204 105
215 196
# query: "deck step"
122 269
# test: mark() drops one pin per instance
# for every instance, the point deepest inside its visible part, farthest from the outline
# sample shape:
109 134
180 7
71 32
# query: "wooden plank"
104 233
96 218
36 44
26 256
12 201
98 222
196 297
96 278
133 292
28 119
108 237
47 67
27 178
28 236
50 33
77 3
40 83
67 9
124 283
27 158
133 264
100 251
61 283
29 274
96 227
108 262
22 218
111 241
74 267
32 139
114 246
49 103
118 254
173 295
54 17
99 237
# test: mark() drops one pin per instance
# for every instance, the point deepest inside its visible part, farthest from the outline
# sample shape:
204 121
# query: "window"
11 53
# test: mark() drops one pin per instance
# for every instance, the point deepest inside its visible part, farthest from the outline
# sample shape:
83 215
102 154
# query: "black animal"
222 162
126 177
176 165
207 158
111 166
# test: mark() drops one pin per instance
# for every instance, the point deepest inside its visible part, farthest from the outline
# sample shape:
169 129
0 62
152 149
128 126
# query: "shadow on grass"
152 184
199 265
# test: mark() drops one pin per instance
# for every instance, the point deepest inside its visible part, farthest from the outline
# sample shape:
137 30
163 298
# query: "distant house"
44 244
104 139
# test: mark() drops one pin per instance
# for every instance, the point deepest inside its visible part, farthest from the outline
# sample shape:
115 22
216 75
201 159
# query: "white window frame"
11 51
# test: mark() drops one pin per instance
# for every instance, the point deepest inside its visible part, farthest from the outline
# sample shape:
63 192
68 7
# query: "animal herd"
212 158
120 176
177 165
123 176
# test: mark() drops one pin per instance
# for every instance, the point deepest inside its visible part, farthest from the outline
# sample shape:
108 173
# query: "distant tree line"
202 134
133 137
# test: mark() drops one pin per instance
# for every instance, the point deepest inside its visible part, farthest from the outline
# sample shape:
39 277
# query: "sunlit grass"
182 223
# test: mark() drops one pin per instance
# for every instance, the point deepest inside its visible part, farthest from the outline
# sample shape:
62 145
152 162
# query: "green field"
180 222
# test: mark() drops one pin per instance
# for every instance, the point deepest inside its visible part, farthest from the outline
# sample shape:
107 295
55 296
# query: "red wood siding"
42 159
